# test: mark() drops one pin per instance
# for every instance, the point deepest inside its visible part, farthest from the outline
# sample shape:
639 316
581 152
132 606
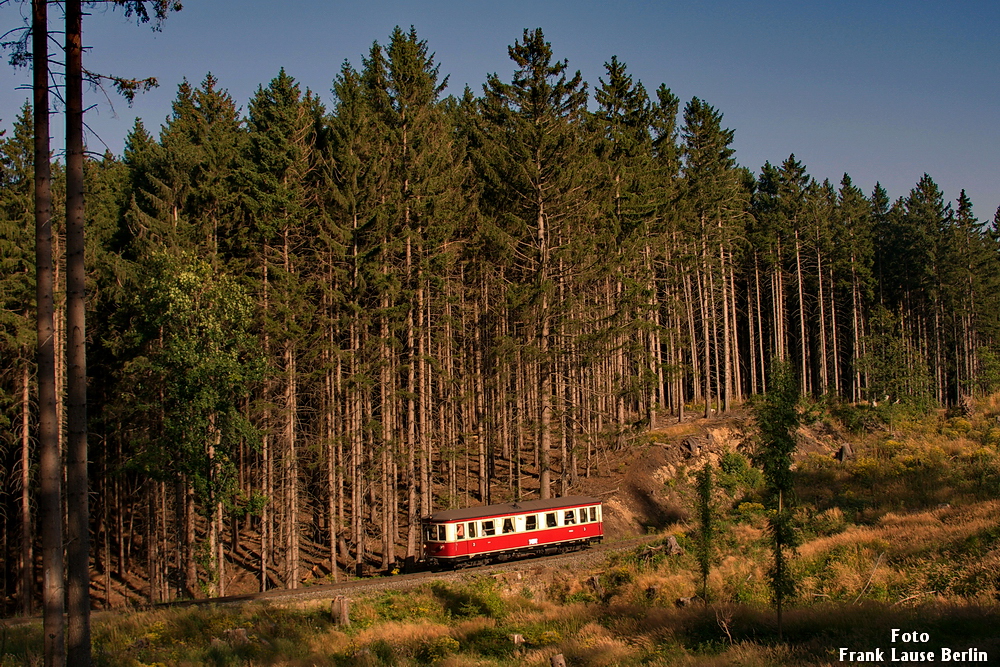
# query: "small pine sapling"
777 419
706 519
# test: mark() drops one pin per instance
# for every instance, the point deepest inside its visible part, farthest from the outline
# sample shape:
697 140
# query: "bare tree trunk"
824 378
333 387
50 468
292 467
152 571
856 336
190 564
727 350
803 344
77 497
834 339
27 564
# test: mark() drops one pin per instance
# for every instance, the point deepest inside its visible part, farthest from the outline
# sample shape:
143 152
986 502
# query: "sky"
882 90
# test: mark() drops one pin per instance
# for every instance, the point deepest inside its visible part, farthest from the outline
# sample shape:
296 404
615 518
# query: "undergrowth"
905 534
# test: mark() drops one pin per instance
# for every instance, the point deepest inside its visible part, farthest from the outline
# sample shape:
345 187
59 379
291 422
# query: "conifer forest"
311 324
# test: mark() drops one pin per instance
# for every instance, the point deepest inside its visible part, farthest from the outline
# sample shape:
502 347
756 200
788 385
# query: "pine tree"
853 235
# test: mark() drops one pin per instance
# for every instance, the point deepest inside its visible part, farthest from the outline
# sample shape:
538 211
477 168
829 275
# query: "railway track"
359 587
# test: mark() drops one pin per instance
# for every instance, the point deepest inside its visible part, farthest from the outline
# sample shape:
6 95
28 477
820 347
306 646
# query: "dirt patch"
644 499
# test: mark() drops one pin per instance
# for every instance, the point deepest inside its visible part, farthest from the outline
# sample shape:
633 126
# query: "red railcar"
498 532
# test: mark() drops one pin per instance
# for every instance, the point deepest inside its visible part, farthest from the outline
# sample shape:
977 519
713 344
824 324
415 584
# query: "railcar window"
442 535
550 520
593 514
489 528
472 529
531 522
569 518
430 533
508 526
583 515
460 531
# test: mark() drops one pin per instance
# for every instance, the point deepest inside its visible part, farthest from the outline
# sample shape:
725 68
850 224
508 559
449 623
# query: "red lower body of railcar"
513 544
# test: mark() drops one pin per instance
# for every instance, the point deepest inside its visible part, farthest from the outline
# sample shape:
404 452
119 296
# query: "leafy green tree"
192 362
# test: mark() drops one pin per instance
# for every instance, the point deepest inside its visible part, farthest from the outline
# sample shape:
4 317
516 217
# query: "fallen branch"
868 583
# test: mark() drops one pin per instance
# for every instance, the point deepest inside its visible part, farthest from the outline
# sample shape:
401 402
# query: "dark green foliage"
777 418
490 642
17 243
736 474
444 287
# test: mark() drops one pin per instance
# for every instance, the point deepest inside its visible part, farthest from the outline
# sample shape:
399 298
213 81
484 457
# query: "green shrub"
478 598
736 473
437 649
616 577
490 642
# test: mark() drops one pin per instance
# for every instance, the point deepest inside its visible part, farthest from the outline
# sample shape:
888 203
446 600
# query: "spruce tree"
17 343
777 418
714 203
537 190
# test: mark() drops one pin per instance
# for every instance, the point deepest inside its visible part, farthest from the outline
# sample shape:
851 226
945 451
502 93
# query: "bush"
490 642
736 473
479 598
437 649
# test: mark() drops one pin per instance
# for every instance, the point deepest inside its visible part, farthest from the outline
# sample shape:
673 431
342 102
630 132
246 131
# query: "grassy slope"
906 535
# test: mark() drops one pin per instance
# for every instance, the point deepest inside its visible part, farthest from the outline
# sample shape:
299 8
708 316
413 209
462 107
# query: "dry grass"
881 553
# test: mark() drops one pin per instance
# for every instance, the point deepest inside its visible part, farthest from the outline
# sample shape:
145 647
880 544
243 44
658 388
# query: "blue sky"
882 90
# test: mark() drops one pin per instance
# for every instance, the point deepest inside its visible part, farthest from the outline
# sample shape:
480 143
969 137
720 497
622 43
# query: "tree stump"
595 583
673 549
341 611
845 452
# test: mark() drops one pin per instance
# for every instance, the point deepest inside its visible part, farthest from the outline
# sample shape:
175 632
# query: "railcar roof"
519 507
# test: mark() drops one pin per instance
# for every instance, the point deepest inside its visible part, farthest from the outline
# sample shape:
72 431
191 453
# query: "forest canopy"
313 325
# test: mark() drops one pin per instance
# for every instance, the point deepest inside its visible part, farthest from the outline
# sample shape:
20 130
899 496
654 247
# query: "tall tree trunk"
267 448
834 338
27 564
77 497
50 468
190 528
803 345
856 336
292 467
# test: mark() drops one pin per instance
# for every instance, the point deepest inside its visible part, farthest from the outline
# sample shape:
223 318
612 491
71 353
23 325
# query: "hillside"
903 534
